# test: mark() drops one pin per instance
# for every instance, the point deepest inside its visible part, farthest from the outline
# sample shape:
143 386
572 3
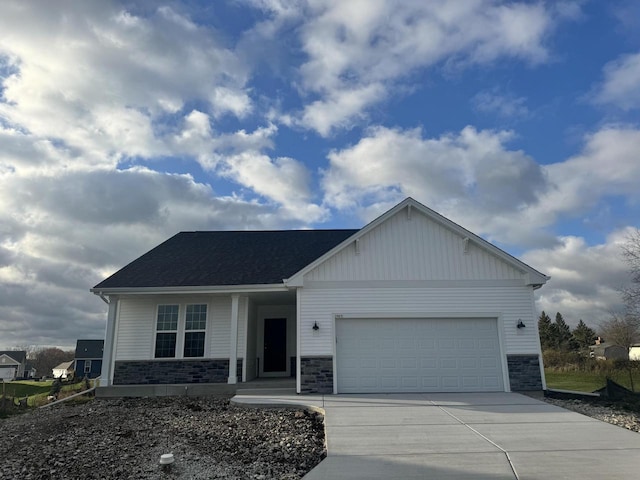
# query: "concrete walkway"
478 436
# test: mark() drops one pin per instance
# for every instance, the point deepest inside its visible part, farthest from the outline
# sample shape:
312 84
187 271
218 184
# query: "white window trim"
182 322
206 325
87 363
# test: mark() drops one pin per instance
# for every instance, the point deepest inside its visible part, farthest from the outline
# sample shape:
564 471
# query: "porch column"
233 347
106 376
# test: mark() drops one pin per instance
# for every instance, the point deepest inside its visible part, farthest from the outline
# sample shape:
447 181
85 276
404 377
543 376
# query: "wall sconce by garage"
315 326
520 324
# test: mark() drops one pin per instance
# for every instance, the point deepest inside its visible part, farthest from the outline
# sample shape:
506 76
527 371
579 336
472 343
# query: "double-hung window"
87 366
181 331
167 331
194 330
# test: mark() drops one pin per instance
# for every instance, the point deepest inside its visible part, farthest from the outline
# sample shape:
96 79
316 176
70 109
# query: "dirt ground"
124 438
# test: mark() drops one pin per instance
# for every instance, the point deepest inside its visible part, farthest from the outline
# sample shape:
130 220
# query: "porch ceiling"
274 298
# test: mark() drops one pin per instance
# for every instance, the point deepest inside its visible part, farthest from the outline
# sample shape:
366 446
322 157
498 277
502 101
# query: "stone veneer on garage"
524 372
316 374
154 372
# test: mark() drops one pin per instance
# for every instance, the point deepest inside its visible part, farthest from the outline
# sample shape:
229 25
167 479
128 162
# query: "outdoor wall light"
315 327
520 324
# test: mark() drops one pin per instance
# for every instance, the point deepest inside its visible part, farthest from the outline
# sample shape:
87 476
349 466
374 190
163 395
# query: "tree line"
44 359
557 335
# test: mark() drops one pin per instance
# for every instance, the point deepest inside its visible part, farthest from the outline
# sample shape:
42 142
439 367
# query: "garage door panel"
408 363
428 363
427 344
418 355
468 363
389 382
429 383
488 362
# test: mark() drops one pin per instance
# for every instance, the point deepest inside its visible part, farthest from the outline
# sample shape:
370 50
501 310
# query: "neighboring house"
89 358
12 364
29 371
608 351
634 352
412 302
64 370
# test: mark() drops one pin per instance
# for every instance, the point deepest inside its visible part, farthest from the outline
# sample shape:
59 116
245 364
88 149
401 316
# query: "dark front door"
275 345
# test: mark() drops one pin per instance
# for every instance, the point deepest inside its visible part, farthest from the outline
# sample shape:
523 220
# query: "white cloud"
105 76
621 84
283 180
585 280
473 178
470 177
505 105
340 109
353 47
607 165
62 233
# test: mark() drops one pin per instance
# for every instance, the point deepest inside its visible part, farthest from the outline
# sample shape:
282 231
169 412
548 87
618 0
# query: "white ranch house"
412 302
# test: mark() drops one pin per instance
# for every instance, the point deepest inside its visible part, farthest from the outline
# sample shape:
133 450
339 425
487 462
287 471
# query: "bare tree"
47 358
621 330
631 254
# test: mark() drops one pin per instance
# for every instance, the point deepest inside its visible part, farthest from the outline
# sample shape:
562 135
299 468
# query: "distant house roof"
64 366
19 356
609 350
89 348
226 258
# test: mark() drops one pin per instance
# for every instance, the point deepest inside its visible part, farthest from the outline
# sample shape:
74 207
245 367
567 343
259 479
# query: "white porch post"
106 376
298 341
233 347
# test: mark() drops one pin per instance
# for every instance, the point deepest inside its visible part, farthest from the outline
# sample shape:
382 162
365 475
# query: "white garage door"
418 355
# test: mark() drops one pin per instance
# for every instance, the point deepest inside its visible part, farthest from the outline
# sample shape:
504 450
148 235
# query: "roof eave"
228 289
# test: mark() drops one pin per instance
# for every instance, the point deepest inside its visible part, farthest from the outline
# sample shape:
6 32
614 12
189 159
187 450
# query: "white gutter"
223 289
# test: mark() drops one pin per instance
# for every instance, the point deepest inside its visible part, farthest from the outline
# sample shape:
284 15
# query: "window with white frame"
194 330
181 332
167 331
87 366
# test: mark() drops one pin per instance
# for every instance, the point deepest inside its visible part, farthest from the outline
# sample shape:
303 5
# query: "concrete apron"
461 436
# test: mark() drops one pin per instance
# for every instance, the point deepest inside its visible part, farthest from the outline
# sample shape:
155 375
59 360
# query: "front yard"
124 438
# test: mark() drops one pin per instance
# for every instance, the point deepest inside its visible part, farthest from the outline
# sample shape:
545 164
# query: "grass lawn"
26 388
38 391
588 381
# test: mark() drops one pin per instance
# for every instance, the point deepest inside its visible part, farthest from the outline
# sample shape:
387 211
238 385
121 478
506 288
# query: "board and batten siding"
136 323
509 303
415 248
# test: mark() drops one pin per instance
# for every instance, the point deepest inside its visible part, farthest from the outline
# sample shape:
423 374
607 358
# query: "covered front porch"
247 335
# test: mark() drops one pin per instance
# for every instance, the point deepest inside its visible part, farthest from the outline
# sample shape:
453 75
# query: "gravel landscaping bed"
605 412
124 438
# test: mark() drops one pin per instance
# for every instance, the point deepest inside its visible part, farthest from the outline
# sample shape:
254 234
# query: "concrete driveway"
462 436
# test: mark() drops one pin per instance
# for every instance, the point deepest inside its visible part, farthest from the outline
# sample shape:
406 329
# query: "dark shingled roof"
19 356
226 258
89 348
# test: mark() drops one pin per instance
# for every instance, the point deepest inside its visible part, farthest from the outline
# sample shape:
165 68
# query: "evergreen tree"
545 330
583 336
563 339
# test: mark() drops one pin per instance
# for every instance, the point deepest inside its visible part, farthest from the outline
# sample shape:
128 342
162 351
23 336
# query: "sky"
123 123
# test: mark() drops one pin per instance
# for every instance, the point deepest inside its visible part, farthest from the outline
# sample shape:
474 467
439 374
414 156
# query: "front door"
275 345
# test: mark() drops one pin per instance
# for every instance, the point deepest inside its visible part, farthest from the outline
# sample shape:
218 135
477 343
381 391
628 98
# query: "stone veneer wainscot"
524 372
316 374
154 372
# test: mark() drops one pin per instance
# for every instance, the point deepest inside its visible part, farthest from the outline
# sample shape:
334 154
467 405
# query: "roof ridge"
275 231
